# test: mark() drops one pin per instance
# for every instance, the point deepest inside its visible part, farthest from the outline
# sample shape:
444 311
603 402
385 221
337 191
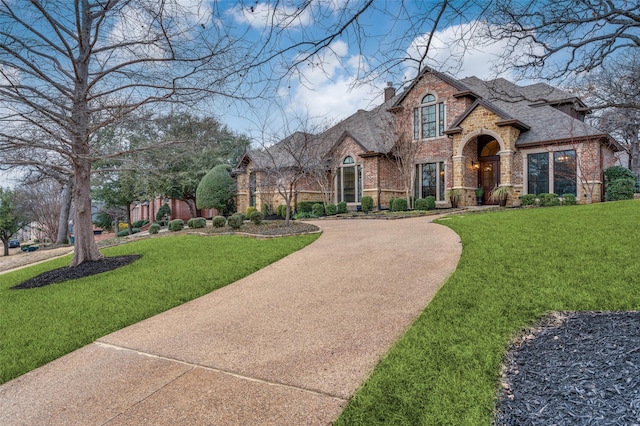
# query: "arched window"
349 181
428 118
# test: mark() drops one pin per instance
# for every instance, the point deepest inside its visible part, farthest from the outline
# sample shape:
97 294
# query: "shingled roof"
533 106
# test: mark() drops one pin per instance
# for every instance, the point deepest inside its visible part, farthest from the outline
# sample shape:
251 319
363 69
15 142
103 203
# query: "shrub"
318 209
266 210
123 233
617 172
331 209
342 207
282 210
399 205
154 228
431 202
366 204
139 223
197 222
529 199
122 226
569 199
305 206
236 220
421 204
217 189
391 203
621 189
163 213
256 217
176 225
218 221
547 200
249 210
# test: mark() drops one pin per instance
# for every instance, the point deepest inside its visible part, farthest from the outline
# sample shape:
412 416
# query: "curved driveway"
288 344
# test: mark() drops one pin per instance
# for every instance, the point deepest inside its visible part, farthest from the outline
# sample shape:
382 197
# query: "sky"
329 88
350 74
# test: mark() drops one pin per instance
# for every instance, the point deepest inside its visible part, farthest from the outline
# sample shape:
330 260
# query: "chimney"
389 91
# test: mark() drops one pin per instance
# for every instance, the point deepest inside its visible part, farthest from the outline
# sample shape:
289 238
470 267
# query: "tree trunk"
6 247
84 248
192 208
128 219
635 156
63 223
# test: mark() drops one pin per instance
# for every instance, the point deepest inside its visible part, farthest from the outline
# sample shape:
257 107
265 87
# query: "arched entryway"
489 165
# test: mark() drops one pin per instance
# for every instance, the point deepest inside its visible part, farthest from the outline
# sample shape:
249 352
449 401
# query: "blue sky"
333 88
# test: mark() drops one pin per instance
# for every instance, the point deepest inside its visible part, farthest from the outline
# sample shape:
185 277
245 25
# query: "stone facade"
474 120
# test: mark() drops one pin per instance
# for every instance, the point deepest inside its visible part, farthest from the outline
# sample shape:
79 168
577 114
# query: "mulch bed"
577 368
85 269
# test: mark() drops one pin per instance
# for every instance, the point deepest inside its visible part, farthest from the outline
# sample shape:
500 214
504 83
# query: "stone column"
458 170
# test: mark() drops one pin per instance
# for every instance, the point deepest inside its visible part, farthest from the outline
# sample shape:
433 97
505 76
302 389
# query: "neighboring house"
179 210
464 134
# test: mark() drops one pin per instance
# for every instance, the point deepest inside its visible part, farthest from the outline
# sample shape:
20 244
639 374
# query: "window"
430 180
429 118
349 181
252 189
562 170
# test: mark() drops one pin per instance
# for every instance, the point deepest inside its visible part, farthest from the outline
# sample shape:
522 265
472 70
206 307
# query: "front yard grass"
42 324
516 266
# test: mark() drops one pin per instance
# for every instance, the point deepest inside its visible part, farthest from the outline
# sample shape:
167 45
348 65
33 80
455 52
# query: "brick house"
464 134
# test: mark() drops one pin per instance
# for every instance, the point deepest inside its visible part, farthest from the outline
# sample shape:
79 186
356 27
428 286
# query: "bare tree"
614 94
43 204
70 68
560 39
403 154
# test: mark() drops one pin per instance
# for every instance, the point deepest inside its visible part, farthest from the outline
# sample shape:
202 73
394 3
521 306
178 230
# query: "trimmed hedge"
318 209
399 205
197 222
621 189
218 221
569 199
528 200
176 225
282 211
366 204
427 203
236 220
342 207
256 217
331 209
154 228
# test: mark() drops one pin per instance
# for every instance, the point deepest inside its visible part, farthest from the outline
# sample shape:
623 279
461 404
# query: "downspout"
378 183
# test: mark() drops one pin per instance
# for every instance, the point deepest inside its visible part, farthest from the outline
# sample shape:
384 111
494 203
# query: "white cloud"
462 51
264 15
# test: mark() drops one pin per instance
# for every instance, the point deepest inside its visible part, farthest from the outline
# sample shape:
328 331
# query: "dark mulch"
577 368
85 269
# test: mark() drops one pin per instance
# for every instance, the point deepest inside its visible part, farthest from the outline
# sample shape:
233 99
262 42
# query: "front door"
488 177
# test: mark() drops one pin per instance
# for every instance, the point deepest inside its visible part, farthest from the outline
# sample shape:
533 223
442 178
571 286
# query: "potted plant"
500 194
454 197
479 194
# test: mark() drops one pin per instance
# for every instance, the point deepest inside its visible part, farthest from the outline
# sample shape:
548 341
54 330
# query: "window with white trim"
428 118
349 181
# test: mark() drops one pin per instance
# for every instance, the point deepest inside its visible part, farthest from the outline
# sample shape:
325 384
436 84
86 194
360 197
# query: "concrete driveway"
289 344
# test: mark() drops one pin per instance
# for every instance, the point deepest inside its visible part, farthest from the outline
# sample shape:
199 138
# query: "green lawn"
516 266
39 325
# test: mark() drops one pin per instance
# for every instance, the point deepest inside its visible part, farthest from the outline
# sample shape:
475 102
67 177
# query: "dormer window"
428 118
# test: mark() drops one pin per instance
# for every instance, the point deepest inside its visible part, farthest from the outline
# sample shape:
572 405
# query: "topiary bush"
617 172
342 207
123 233
282 211
528 200
305 206
399 205
331 209
249 210
569 199
318 209
236 220
176 225
256 217
154 228
431 202
197 222
366 204
391 203
421 204
621 189
547 200
163 213
218 221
